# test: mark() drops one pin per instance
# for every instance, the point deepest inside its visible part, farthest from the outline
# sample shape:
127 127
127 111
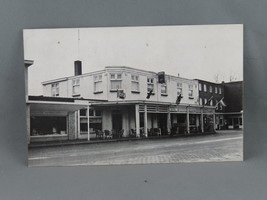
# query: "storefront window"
48 126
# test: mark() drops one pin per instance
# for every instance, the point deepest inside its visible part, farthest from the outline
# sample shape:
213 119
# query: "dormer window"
75 87
55 89
98 84
135 83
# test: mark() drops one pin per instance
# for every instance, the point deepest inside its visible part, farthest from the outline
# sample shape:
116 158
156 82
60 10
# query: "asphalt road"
223 146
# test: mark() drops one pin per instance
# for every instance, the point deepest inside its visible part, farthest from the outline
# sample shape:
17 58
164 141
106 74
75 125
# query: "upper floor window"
163 89
179 89
200 86
135 83
55 89
210 88
115 82
211 102
216 90
200 101
75 86
205 101
220 90
98 83
205 87
150 84
190 91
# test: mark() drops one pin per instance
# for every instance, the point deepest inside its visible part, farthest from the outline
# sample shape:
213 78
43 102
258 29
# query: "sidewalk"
84 141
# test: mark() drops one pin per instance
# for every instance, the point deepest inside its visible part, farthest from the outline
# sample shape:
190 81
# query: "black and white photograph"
134 95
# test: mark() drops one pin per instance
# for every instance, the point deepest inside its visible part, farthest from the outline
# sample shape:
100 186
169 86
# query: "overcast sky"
192 51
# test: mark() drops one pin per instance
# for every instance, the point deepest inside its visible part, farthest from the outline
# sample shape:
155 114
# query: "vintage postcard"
134 95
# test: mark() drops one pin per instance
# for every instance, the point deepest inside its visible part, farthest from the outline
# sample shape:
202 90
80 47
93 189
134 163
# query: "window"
216 104
220 90
163 89
76 87
115 81
91 112
200 101
205 101
200 86
205 87
55 89
150 84
210 89
216 90
179 89
135 83
95 113
83 112
211 102
98 83
190 91
98 113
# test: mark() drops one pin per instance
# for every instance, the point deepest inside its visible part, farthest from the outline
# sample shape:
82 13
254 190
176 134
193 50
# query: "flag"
208 102
221 102
149 93
121 94
179 98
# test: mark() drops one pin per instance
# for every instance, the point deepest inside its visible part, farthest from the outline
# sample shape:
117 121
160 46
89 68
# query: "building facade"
129 102
227 100
233 93
213 94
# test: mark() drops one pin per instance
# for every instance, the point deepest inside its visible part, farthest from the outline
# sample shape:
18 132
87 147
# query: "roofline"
61 99
112 67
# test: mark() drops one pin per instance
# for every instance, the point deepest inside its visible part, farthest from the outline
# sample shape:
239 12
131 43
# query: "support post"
169 121
26 84
202 120
88 124
145 121
28 123
214 121
137 120
187 120
78 123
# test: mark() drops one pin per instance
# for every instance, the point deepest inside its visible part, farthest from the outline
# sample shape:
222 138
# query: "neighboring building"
233 95
213 94
134 103
227 99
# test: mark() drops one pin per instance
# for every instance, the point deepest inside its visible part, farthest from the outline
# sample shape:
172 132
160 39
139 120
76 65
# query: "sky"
194 52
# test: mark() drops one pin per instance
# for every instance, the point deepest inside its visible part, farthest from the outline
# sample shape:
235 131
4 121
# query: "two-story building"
130 102
227 100
213 94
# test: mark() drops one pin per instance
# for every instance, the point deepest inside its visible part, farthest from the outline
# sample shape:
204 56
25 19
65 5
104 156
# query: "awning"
54 108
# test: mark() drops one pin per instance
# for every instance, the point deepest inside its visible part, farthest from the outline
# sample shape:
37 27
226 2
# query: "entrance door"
117 122
162 121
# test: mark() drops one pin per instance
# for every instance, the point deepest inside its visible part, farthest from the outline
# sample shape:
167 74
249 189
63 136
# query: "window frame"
179 86
200 87
204 87
190 91
135 80
117 80
76 83
151 82
55 89
98 80
166 89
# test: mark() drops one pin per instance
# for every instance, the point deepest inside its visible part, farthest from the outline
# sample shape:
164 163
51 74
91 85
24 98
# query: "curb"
82 142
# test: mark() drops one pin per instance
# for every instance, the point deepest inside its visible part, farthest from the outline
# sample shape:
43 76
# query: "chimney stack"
77 67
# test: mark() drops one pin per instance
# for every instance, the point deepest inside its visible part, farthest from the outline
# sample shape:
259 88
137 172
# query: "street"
223 146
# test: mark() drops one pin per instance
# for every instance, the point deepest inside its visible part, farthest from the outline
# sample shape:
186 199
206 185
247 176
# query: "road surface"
223 146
